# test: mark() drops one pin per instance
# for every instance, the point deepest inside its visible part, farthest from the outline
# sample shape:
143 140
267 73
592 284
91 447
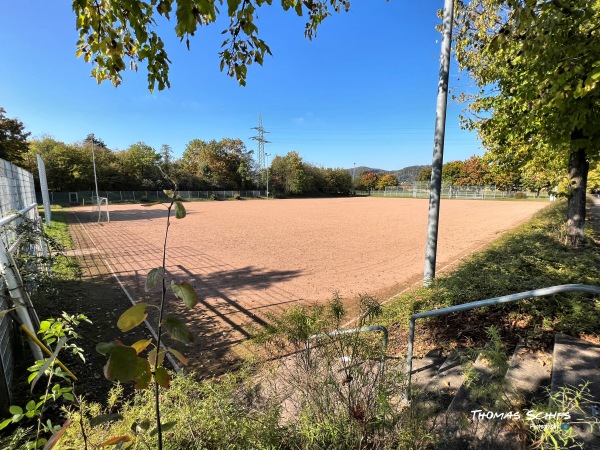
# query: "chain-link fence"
17 193
85 197
420 189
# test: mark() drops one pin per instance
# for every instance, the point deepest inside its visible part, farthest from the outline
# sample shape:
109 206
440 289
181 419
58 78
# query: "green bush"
237 197
212 414
343 393
520 195
337 398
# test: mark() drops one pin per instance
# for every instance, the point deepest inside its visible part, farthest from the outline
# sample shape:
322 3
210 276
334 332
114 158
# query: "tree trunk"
578 173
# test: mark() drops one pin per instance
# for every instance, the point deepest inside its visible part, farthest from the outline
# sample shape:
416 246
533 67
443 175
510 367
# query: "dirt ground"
245 258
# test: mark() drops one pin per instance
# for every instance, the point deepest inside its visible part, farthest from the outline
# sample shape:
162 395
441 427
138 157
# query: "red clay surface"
248 257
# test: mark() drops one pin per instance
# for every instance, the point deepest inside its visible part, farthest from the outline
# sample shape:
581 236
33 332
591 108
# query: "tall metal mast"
260 138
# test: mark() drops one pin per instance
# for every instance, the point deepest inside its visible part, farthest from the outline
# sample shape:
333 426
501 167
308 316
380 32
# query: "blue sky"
363 92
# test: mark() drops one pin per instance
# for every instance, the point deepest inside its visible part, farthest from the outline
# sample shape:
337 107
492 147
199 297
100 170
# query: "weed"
555 430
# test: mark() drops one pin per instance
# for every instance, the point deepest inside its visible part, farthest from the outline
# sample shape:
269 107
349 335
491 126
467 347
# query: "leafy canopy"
13 139
114 33
537 64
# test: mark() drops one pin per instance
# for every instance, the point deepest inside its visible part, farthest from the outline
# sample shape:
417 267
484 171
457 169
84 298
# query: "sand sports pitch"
248 257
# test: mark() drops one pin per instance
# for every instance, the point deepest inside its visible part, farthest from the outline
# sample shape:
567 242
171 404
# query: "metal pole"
96 179
438 146
267 164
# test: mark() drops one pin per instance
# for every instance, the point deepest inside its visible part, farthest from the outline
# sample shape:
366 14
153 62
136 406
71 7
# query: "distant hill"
406 175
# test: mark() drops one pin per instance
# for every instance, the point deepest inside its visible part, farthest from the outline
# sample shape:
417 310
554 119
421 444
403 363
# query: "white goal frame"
97 206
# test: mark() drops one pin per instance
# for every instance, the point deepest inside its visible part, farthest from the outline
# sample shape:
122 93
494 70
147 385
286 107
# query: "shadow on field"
102 301
229 307
136 213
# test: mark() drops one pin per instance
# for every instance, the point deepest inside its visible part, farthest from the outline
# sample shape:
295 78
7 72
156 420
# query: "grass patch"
63 267
532 256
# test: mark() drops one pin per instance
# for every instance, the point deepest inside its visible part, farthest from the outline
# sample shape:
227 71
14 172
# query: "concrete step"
528 376
467 424
438 388
577 362
425 369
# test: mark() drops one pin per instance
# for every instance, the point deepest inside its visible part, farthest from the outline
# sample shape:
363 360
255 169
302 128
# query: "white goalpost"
98 203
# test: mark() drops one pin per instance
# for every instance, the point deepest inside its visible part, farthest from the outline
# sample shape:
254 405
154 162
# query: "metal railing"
381 328
488 302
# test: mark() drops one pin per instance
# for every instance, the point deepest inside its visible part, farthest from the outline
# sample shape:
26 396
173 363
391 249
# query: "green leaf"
164 427
179 356
154 277
152 357
143 374
95 421
121 365
15 410
178 330
49 361
132 317
179 210
44 325
5 423
105 348
141 345
186 292
167 426
169 193
144 424
30 405
232 6
162 377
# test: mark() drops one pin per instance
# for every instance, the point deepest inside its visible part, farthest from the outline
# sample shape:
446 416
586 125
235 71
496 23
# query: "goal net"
100 206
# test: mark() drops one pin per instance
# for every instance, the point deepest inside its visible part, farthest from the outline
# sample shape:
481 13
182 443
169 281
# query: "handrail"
488 302
12 217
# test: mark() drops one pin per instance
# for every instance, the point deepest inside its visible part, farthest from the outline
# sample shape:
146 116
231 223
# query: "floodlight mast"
437 163
95 177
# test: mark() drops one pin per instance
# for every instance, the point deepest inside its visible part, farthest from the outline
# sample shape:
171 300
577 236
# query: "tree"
287 174
367 181
594 179
13 139
452 171
140 163
68 167
93 139
474 172
338 181
424 174
113 33
506 177
386 180
537 64
222 165
166 158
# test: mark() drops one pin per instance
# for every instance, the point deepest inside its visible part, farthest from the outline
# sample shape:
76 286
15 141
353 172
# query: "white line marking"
172 360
